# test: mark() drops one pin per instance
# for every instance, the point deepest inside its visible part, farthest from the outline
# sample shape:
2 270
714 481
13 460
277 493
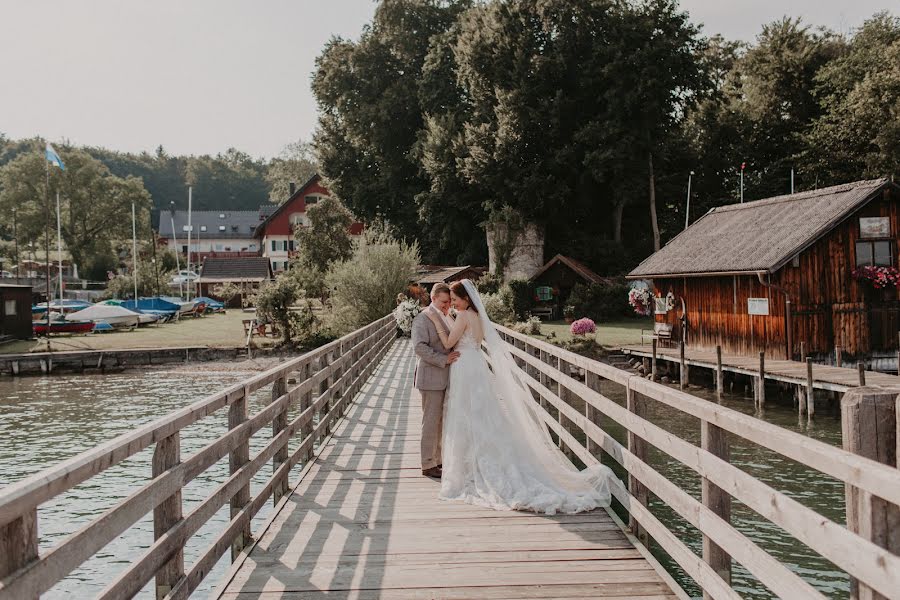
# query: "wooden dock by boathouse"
775 274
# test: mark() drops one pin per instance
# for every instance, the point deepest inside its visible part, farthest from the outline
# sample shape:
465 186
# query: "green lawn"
611 335
216 331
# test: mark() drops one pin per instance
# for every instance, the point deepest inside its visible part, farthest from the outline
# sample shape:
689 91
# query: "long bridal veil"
529 432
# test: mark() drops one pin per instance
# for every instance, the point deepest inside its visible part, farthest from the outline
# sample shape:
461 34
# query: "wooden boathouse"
792 275
329 440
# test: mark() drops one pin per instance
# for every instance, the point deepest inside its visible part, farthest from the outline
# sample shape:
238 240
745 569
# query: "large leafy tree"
370 115
296 163
95 204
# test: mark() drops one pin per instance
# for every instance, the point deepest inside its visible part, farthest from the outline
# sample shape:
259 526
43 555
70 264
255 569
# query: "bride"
496 451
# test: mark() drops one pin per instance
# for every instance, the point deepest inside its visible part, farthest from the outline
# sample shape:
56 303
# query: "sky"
200 76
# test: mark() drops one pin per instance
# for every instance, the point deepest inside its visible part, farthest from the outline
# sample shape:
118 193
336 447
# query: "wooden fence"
562 380
327 380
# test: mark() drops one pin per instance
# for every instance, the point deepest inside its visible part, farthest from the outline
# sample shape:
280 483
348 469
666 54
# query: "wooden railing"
561 380
327 380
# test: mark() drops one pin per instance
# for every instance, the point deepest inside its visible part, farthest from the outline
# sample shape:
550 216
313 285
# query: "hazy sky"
198 76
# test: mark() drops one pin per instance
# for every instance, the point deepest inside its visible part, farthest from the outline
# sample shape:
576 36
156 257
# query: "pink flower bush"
878 277
583 326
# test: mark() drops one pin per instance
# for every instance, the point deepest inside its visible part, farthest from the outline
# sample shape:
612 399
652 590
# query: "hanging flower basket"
878 277
640 300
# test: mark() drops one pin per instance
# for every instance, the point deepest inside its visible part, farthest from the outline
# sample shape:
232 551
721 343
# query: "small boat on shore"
60 306
107 313
159 307
62 326
184 306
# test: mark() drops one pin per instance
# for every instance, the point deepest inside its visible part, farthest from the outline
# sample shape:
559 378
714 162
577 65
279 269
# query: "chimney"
292 187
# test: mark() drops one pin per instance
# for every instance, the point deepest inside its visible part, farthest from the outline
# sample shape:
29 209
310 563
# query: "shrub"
273 302
365 287
499 306
522 297
583 327
489 283
530 327
601 301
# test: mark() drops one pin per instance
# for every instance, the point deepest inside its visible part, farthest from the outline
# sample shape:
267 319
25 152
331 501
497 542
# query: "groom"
432 375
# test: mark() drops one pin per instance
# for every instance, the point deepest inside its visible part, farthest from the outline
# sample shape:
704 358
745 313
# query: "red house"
276 232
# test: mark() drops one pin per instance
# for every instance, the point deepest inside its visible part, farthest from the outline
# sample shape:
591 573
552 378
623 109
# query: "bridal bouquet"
404 314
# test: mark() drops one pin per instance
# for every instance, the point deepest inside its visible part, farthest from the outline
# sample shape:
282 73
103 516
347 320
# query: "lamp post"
687 210
16 242
743 165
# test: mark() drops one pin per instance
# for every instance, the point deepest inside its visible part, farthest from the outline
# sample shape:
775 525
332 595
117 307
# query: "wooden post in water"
168 513
720 375
653 373
237 458
713 439
19 544
802 351
810 390
761 382
862 373
638 447
837 356
869 428
279 423
683 375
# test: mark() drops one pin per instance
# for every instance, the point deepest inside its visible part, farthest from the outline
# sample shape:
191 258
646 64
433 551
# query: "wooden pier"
365 523
825 377
354 518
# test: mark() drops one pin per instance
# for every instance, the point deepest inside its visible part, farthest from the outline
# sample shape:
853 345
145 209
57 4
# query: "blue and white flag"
53 157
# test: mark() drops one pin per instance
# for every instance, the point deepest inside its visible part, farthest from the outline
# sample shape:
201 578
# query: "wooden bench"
661 332
544 313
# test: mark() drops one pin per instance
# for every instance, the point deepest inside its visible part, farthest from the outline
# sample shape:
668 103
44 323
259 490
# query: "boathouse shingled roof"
244 268
760 236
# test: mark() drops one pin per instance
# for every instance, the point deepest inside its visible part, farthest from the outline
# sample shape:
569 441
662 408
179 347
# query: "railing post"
720 375
237 458
305 402
638 447
869 429
810 390
166 455
325 388
654 375
279 423
18 543
543 378
562 392
592 381
714 440
683 373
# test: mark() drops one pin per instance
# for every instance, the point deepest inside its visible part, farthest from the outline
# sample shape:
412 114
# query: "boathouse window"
9 308
875 253
273 245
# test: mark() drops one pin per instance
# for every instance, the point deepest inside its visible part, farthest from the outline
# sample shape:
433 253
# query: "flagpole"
175 240
59 247
47 244
190 196
134 253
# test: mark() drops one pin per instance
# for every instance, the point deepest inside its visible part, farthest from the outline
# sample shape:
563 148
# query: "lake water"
44 420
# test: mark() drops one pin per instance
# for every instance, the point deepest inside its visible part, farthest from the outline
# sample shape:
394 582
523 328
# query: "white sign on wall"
757 306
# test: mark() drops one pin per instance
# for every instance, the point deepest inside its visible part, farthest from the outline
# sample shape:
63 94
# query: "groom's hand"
452 357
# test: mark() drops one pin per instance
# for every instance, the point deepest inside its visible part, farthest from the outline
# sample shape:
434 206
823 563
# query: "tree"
369 112
95 205
274 300
297 163
327 237
365 287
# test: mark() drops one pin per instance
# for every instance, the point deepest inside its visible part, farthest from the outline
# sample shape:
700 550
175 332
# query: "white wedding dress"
496 451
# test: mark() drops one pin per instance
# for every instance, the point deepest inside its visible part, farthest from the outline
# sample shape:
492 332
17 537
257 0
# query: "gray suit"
432 376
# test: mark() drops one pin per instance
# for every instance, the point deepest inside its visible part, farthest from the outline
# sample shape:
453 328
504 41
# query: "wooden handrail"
862 559
354 357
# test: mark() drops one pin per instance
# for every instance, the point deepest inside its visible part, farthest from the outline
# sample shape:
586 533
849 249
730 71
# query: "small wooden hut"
555 280
15 311
775 273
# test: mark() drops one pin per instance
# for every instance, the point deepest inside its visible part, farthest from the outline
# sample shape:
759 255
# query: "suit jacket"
431 356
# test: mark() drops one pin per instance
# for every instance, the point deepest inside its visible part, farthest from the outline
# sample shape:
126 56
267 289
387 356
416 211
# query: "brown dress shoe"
432 472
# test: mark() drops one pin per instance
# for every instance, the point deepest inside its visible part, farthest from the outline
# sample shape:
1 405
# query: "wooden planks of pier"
364 523
825 377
